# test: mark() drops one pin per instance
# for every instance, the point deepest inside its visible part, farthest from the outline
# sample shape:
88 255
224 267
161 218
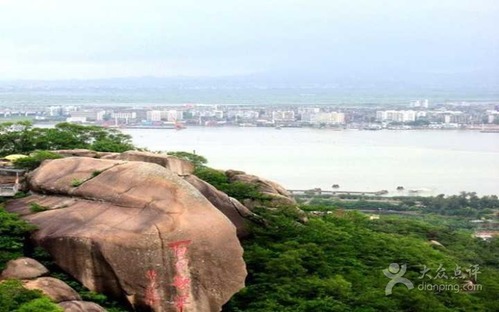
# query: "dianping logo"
395 273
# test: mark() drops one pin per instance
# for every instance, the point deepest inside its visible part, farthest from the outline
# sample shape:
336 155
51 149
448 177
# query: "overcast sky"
60 39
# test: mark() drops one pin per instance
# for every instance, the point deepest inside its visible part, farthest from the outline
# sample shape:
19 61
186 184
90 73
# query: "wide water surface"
431 162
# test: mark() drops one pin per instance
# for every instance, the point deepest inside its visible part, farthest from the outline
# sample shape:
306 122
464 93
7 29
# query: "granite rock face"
23 268
276 194
83 153
135 230
81 306
55 289
237 213
174 164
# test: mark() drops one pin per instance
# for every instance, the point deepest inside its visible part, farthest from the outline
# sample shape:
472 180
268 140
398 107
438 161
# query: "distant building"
88 115
419 104
219 114
328 118
492 116
54 110
175 115
124 116
283 116
243 114
397 116
153 115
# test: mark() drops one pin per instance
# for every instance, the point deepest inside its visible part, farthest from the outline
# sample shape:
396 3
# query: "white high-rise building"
154 115
175 115
328 118
397 116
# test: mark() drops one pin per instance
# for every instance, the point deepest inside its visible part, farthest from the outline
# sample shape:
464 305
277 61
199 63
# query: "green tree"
35 159
197 160
40 305
13 232
22 138
14 297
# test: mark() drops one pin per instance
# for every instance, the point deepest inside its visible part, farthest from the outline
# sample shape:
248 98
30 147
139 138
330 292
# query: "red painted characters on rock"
181 280
151 294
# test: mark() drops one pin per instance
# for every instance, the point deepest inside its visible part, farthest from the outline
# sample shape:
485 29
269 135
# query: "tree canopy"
23 138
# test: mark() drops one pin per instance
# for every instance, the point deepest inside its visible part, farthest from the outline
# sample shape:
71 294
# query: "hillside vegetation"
335 263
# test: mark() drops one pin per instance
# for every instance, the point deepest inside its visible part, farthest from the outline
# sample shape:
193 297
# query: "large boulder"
81 306
276 194
135 230
23 268
53 288
83 153
176 165
237 213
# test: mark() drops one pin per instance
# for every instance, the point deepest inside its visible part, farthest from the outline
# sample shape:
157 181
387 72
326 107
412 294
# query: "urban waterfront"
429 162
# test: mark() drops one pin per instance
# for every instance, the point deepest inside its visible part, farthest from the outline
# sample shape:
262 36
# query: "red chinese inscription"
181 282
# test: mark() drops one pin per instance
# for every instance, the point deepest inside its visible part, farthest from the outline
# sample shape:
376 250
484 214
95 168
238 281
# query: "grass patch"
34 207
76 182
96 173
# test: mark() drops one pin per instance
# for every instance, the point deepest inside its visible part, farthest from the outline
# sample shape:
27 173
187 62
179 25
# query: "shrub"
35 159
14 297
96 173
13 231
197 160
34 207
40 305
76 182
238 190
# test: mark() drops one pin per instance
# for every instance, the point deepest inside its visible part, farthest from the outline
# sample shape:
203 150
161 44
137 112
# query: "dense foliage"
15 298
467 205
196 160
335 263
13 232
239 190
23 138
35 159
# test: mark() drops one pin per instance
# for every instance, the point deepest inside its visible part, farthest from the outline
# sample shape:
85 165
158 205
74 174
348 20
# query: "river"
426 162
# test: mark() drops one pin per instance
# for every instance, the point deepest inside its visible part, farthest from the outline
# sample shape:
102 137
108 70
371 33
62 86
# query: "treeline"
466 204
23 138
335 262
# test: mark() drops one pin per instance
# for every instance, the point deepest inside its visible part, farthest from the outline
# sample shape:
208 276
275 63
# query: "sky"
73 39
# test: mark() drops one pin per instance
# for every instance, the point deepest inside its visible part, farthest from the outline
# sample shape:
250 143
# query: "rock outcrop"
81 306
237 213
55 289
174 164
277 194
28 271
83 153
135 230
23 268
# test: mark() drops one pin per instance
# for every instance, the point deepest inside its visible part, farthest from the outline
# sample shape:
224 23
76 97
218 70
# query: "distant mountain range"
265 88
478 80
